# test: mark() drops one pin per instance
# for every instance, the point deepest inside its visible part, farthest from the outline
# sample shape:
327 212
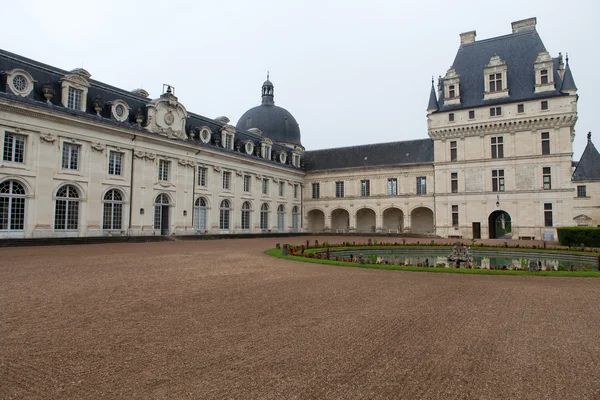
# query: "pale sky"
351 72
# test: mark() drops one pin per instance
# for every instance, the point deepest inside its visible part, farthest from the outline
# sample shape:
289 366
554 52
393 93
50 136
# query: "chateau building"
82 158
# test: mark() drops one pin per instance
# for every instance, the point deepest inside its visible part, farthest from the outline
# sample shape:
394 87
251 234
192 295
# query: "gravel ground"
221 320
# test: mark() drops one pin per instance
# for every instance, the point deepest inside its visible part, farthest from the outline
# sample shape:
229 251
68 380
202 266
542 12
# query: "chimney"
524 25
468 37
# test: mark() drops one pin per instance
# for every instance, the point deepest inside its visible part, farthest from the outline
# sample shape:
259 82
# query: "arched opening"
113 210
161 214
365 220
295 219
281 218
12 206
340 220
315 221
66 213
500 225
200 214
421 220
264 217
224 214
393 220
246 215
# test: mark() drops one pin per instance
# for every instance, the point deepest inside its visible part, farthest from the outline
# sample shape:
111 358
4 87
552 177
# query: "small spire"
433 103
567 58
267 75
589 137
568 83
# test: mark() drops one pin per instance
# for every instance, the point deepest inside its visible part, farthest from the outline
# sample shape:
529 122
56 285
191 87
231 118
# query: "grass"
578 274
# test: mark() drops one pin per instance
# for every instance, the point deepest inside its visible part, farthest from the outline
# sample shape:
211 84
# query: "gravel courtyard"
221 320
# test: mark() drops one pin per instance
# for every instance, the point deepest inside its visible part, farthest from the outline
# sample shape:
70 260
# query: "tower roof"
433 103
568 81
588 168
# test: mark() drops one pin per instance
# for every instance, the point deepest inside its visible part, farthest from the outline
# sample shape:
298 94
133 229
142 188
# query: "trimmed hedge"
578 235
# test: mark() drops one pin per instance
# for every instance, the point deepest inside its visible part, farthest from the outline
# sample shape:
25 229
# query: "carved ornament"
47 137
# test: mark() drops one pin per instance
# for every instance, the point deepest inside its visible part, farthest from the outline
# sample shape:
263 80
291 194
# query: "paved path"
221 320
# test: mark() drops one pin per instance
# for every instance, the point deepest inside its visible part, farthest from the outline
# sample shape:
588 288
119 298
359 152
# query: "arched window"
246 215
12 206
200 214
224 211
113 210
161 213
264 216
281 218
295 219
66 215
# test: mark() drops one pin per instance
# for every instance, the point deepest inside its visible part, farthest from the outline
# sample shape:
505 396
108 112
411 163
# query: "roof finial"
567 58
267 75
432 79
589 136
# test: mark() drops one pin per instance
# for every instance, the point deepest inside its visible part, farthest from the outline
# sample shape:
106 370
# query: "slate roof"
370 155
588 167
519 51
568 81
433 103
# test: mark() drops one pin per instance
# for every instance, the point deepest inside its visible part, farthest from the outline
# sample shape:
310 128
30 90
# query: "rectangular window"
295 191
548 214
498 180
453 151
520 108
14 148
454 215
265 186
70 156
544 76
392 187
454 182
339 189
544 105
547 178
316 190
229 141
581 191
472 114
421 185
115 163
163 170
247 180
226 180
495 111
74 98
365 187
451 91
202 175
495 82
545 142
451 117
281 189
498 147
266 151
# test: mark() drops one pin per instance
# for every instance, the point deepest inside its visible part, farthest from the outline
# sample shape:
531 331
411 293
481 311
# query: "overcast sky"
351 72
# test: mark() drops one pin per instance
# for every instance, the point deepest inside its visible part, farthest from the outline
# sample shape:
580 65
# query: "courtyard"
219 319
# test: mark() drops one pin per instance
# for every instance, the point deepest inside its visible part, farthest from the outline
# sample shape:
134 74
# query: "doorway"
500 225
476 230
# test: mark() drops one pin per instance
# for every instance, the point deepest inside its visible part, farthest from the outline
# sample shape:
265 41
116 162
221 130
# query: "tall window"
548 214
161 213
115 163
451 91
74 98
421 185
228 141
163 170
495 82
454 215
453 151
281 218
316 190
202 175
454 182
545 142
365 188
281 189
265 186
14 148
544 76
227 180
224 213
247 181
70 156
547 173
495 111
266 151
200 214
246 215
498 180
66 214
392 187
113 210
295 190
295 219
264 217
498 147
339 189
12 206
581 191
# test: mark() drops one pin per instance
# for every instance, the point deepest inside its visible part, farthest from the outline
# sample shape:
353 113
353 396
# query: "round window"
249 147
282 157
20 83
120 110
204 135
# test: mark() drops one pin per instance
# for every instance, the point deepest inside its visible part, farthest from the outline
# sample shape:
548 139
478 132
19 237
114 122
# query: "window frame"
113 164
471 114
496 111
365 188
453 151
547 178
202 180
316 194
339 189
581 191
226 182
75 98
164 170
13 146
497 147
545 137
421 185
493 79
454 182
544 105
68 150
520 108
265 186
548 217
281 189
455 221
392 186
246 183
498 182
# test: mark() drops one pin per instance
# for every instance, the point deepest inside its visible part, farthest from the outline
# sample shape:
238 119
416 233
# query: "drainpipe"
434 205
131 189
301 208
193 194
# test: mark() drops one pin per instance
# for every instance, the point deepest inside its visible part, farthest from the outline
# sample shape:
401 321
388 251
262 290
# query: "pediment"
582 218
76 80
166 116
543 56
495 61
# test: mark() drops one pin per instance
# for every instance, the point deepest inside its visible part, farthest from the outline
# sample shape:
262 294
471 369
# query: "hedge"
579 235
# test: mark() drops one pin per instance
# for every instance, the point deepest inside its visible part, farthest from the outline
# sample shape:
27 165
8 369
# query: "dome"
275 123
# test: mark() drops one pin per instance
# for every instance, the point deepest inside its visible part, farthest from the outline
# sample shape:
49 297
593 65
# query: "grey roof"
370 155
568 81
519 51
588 167
433 104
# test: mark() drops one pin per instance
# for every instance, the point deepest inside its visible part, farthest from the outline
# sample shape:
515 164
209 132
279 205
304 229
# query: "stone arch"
23 182
393 220
340 220
500 225
315 219
421 220
366 220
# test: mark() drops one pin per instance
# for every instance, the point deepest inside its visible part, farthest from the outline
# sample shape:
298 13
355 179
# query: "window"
581 191
453 151
281 218
451 91
544 76
421 185
202 175
365 188
226 180
472 114
265 186
454 215
74 99
547 178
247 181
228 144
392 187
498 180
281 189
115 162
495 82
545 142
498 147
163 170
113 210
520 108
70 156
454 182
339 189
316 190
264 217
66 213
14 148
451 117
12 206
495 111
161 212
295 190
246 215
548 214
266 151
544 105
200 214
295 219
224 211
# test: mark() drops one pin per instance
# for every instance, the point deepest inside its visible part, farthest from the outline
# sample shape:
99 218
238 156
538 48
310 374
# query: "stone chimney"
468 37
524 25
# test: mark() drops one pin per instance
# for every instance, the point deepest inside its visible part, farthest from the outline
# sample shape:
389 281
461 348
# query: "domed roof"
275 123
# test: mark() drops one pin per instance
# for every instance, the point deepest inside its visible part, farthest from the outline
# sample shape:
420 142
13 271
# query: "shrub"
579 235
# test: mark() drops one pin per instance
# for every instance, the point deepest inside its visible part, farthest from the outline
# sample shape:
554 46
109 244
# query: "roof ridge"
369 144
498 38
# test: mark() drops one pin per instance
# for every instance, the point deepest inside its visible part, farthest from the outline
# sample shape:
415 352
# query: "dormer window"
19 82
74 100
451 91
119 110
296 160
496 84
265 149
451 88
544 70
544 76
228 137
75 89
